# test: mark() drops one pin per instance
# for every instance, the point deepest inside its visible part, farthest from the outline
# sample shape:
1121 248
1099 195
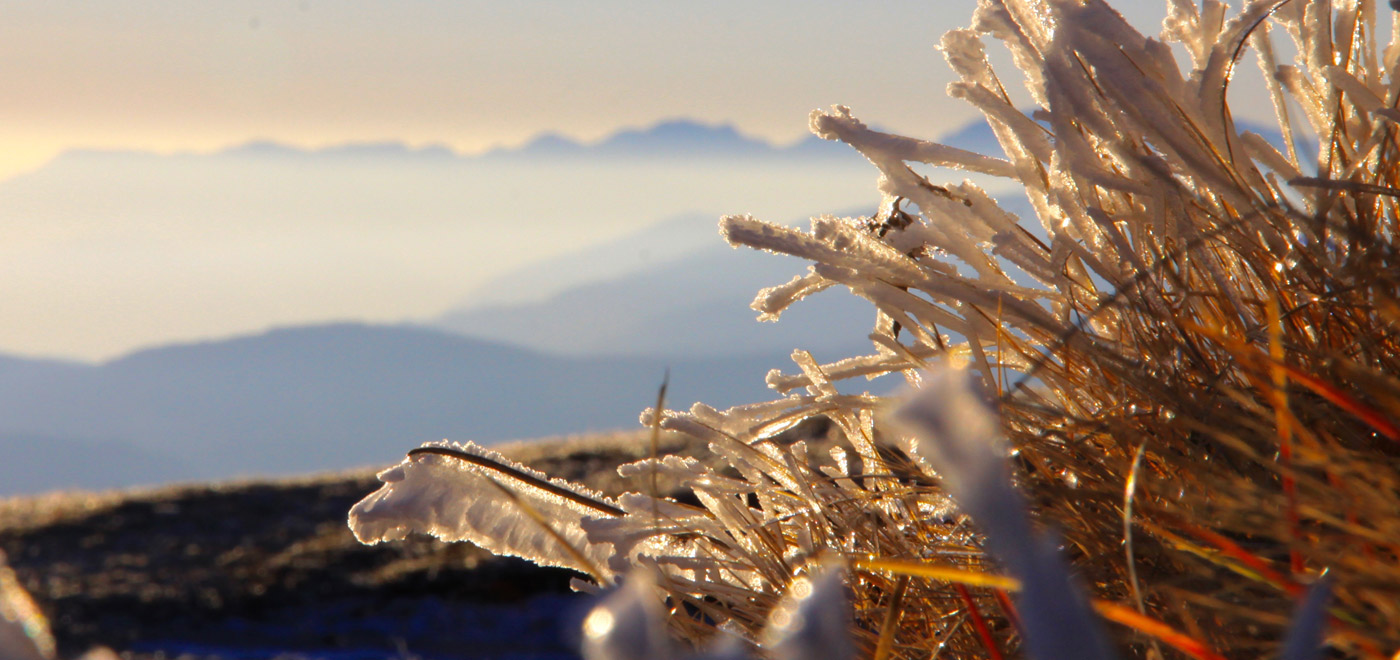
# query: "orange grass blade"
1249 354
1250 565
937 572
1008 608
1278 396
1156 629
1232 549
1365 413
1111 611
993 651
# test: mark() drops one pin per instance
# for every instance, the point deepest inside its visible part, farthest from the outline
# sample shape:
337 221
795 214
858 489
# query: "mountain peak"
670 138
683 137
544 144
681 127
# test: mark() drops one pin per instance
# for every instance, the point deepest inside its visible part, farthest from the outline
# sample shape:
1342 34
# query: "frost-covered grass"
1191 362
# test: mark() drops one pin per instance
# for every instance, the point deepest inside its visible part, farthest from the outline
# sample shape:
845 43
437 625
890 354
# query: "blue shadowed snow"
540 628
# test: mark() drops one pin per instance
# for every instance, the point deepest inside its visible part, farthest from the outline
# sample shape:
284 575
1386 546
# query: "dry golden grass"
1193 345
1196 360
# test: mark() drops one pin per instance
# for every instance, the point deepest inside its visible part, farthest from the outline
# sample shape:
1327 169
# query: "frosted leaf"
1265 153
649 530
832 242
771 302
965 53
820 386
866 365
1357 92
684 470
884 149
470 493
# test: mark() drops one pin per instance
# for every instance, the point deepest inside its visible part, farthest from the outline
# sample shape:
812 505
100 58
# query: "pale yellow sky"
170 75
102 258
178 75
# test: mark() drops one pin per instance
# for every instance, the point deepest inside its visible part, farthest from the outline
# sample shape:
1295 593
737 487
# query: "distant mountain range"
571 341
677 138
323 398
677 237
693 304
138 249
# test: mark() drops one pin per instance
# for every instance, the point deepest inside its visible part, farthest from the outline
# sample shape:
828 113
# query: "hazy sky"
177 75
172 74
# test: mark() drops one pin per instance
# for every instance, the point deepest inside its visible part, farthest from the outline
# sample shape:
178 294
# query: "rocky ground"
266 569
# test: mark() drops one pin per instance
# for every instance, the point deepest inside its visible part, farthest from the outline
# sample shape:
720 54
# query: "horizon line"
317 148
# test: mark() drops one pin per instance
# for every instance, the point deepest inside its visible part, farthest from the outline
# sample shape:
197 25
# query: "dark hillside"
269 568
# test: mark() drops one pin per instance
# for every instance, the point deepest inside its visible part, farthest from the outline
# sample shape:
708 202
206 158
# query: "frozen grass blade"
979 623
1157 630
469 493
474 455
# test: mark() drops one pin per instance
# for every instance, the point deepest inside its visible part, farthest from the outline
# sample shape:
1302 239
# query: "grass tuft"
1200 317
1191 345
